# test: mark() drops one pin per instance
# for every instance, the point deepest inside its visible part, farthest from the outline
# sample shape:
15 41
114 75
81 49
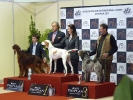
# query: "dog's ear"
14 51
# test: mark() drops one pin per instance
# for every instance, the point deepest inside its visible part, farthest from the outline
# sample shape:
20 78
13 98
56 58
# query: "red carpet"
26 96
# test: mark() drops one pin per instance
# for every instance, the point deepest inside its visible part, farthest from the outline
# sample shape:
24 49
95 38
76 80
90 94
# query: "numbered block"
94 90
26 83
55 80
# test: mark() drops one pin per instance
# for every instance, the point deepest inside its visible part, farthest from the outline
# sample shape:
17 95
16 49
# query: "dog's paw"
54 72
49 73
65 75
72 73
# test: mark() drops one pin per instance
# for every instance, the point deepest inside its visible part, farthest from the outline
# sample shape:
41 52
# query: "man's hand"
73 50
105 55
44 60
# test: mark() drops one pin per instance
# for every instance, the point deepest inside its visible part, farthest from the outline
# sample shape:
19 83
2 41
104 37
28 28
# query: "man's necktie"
53 37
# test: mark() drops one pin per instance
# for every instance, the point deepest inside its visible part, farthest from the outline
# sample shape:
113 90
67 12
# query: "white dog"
56 53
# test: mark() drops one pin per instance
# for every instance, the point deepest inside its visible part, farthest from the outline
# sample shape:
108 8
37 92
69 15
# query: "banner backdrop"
119 19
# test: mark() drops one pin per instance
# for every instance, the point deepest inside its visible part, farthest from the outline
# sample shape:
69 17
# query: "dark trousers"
75 66
60 66
107 64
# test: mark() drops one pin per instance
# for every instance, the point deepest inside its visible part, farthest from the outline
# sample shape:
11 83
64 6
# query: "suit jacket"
59 37
72 44
40 52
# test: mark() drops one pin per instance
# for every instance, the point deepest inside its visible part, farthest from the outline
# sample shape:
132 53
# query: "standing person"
105 48
36 48
71 41
56 37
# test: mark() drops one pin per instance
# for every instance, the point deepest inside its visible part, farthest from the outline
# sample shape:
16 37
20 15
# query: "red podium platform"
27 82
95 90
54 79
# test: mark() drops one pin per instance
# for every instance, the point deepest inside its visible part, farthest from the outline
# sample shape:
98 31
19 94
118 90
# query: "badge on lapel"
59 37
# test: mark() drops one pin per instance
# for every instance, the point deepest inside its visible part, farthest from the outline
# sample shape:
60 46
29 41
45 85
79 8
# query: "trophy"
80 79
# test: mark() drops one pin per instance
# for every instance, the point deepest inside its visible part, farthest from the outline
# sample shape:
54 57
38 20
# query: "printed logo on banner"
130 22
129 45
93 44
119 78
78 13
78 24
68 22
79 33
85 34
94 34
80 44
121 45
121 22
112 23
93 23
127 11
129 57
121 57
93 76
113 68
121 34
63 13
80 66
129 34
121 68
113 78
86 45
86 24
129 68
70 13
115 57
113 32
102 21
63 23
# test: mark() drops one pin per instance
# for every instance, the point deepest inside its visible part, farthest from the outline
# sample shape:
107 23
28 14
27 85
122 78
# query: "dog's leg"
50 66
98 71
69 62
55 66
64 63
21 70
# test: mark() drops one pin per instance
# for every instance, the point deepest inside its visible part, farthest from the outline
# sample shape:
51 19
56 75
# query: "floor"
7 91
107 98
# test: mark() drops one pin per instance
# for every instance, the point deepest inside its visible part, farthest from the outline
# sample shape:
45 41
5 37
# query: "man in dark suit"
56 37
36 48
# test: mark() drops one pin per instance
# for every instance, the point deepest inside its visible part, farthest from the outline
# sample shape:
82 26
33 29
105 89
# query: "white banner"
104 12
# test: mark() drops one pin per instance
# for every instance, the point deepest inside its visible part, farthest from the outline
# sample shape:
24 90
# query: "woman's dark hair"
74 33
